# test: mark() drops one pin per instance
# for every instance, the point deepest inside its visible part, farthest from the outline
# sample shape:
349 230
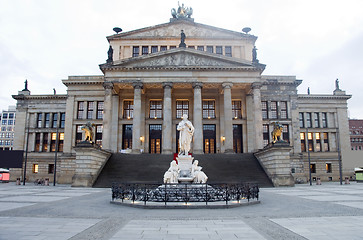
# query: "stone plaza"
328 211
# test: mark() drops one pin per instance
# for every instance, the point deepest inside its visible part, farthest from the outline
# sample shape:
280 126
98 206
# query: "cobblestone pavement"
328 211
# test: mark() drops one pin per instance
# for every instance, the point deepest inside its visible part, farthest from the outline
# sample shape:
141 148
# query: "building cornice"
37 97
312 97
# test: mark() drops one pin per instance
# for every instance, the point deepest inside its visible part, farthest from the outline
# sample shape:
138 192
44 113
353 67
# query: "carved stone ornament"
138 85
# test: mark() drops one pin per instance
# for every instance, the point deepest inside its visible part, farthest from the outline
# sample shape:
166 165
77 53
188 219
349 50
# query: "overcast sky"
315 40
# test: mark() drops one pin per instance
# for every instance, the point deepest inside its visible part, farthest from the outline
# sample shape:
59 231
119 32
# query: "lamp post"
307 138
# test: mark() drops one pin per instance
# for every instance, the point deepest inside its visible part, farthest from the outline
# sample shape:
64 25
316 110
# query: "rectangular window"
45 142
219 50
35 168
154 49
62 120
156 109
324 120
264 110
318 142
47 120
326 142
313 168
301 120
237 109
53 142
1 142
209 110
308 120
90 106
39 120
55 120
228 51
182 107
200 48
163 48
172 47
328 168
3 122
37 142
283 110
302 140
60 142
5 115
316 120
127 136
273 108
135 51
80 110
10 122
310 142
192 47
210 49
98 137
11 115
50 168
266 134
285 132
145 50
78 133
100 110
128 109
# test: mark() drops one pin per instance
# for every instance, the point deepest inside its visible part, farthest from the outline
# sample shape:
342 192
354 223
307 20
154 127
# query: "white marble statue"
198 174
186 131
171 176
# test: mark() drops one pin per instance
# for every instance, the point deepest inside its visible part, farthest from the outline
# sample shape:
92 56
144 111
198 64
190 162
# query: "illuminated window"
156 109
35 168
182 107
209 110
303 143
328 167
313 168
45 142
128 109
236 109
318 142
310 142
326 141
37 142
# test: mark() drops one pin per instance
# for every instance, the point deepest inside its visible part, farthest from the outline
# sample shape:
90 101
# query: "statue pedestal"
185 165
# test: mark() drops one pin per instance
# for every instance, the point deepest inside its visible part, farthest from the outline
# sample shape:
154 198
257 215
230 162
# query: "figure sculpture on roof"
26 85
182 39
337 84
110 55
182 11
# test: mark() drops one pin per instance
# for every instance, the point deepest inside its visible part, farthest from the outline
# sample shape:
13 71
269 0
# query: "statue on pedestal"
88 131
198 174
171 176
277 132
186 131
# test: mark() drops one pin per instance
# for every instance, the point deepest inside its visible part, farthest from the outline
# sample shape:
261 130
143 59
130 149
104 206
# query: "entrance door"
237 138
209 138
155 138
127 136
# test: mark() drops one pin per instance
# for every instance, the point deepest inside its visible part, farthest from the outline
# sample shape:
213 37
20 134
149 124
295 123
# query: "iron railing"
164 193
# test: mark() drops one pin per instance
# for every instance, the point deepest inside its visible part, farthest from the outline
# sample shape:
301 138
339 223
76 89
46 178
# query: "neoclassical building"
156 74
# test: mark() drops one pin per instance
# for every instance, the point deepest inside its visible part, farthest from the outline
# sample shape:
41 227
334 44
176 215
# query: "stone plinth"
275 159
90 160
185 165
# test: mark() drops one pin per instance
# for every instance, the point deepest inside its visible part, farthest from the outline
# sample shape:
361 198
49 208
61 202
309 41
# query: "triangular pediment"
172 30
179 58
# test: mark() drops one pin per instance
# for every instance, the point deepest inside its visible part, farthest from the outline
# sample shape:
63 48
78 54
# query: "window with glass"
324 120
318 142
302 141
310 142
45 142
62 120
283 110
264 110
10 122
154 49
100 110
237 109
219 50
90 106
228 51
35 168
313 168
163 48
182 107
4 122
156 109
209 109
47 120
135 51
328 168
3 128
285 132
11 115
191 47
326 141
39 120
273 108
78 133
200 48
301 120
37 142
128 109
172 47
80 110
308 120
98 136
50 168
1 142
145 50
60 142
210 49
266 134
55 120
316 120
53 141
5 115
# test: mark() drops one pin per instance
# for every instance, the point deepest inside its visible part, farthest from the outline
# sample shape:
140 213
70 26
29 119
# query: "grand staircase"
150 168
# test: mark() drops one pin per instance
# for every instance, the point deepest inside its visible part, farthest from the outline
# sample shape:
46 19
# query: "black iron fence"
164 193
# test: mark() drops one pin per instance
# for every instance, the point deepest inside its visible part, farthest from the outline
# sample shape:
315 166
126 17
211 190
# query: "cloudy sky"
315 40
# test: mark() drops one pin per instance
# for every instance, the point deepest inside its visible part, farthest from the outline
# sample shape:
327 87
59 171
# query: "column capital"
197 85
256 85
108 85
167 85
138 85
227 85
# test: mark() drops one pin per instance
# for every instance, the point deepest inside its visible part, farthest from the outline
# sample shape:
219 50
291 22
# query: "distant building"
7 118
356 134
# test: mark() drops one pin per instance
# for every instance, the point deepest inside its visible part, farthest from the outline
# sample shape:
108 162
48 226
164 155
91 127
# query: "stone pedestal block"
275 159
89 162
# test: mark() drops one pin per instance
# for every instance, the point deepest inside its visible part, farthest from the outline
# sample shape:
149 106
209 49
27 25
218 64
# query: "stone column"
107 116
167 138
257 117
69 139
136 127
197 119
228 125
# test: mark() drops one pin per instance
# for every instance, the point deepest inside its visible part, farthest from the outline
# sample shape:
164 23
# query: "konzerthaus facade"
149 82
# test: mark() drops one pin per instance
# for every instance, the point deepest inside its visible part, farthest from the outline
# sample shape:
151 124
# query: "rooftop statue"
182 39
182 11
26 85
337 84
110 55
